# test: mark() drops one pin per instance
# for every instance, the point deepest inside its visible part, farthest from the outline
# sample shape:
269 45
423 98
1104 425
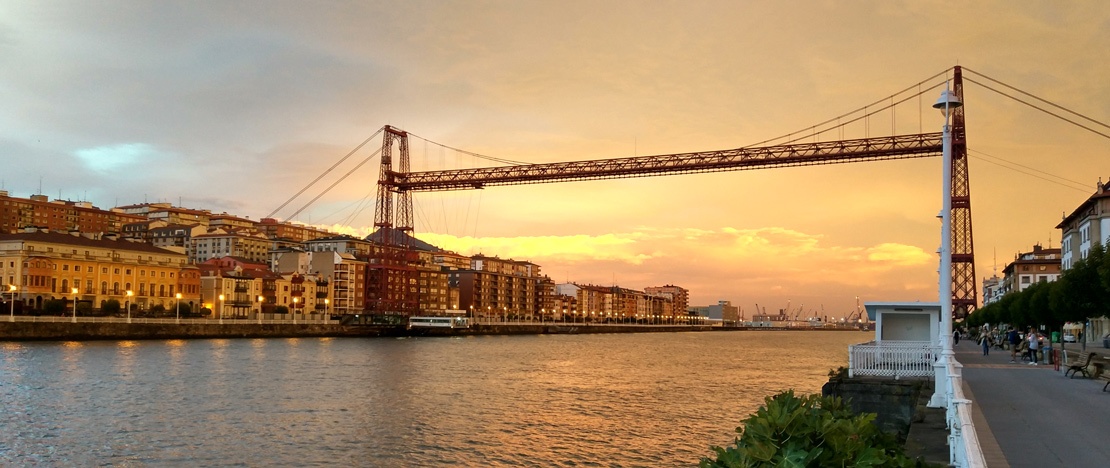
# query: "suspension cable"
321 176
479 156
863 109
341 179
1039 98
1058 116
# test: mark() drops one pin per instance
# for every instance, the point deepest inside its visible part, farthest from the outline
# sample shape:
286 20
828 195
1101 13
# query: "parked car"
1069 338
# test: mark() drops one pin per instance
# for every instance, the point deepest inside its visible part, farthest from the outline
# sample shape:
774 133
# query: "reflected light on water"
565 400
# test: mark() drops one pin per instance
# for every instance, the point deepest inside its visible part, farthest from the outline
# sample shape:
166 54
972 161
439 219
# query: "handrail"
964 450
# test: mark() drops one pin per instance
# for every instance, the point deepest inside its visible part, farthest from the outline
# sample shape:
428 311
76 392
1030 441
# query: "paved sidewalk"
1033 415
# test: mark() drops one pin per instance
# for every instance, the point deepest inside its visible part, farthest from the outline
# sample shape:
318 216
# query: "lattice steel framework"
964 290
395 187
391 274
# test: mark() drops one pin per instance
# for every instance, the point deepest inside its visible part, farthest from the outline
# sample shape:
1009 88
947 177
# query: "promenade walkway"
1033 416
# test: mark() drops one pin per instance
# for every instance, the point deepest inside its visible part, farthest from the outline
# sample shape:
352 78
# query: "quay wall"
81 331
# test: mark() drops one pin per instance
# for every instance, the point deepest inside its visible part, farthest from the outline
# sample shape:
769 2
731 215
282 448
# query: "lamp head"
947 102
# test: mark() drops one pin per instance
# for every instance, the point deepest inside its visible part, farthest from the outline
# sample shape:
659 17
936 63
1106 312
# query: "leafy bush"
281 310
809 431
54 306
110 307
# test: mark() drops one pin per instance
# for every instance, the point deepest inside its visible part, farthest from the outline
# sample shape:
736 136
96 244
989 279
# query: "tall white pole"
947 104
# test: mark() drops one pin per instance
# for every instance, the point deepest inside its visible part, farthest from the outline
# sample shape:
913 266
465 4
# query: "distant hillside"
378 236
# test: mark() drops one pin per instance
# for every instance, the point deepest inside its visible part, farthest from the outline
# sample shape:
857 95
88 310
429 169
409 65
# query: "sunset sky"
235 106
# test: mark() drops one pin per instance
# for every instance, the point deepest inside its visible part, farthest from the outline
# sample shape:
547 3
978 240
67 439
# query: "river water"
618 400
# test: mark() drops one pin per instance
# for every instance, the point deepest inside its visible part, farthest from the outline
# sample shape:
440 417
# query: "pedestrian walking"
985 341
1034 345
955 337
1014 340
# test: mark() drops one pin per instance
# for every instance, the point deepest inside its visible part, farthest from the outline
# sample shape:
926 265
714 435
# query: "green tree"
281 310
809 431
110 307
54 306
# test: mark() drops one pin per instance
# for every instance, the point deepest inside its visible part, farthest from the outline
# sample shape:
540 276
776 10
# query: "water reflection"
604 400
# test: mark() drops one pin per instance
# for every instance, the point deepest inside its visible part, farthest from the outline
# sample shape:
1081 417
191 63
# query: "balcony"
895 359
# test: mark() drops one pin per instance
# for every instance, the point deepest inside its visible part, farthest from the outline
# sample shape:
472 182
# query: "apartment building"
679 298
230 242
1028 268
275 229
1087 225
39 211
50 265
497 288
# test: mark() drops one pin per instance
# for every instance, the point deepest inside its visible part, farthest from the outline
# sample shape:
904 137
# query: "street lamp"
294 311
327 310
127 304
221 297
178 306
74 291
260 299
11 289
947 104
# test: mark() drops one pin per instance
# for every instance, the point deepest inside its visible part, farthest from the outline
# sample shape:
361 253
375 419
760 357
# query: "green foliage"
281 309
110 307
54 306
809 431
839 373
1081 292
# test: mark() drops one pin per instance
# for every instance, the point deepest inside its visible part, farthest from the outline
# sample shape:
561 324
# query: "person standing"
1034 345
1014 340
955 337
985 341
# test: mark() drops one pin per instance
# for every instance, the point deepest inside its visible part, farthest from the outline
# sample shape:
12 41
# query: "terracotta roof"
69 239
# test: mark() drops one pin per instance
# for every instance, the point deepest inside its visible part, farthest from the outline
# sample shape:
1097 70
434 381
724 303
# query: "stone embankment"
66 331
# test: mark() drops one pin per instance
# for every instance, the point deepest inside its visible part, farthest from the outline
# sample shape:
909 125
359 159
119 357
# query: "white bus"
439 322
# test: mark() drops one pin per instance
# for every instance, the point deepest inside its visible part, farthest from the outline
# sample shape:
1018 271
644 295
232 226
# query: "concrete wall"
895 402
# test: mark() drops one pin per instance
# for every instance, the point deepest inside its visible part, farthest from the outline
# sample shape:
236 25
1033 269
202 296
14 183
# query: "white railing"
964 450
892 359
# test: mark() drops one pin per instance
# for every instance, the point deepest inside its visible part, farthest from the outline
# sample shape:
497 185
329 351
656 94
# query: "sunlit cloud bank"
726 263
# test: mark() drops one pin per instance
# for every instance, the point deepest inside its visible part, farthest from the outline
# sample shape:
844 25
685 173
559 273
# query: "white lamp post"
947 103
127 304
74 291
178 306
327 310
11 289
260 299
221 298
294 311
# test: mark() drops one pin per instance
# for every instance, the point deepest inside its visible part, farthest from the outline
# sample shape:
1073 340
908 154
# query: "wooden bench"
1080 364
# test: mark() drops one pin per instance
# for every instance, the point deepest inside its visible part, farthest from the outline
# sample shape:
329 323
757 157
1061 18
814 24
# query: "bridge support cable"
321 176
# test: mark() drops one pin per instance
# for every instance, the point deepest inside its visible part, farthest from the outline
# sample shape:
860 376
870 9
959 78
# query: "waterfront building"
679 296
493 287
39 211
1087 225
432 286
232 293
1040 265
49 265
